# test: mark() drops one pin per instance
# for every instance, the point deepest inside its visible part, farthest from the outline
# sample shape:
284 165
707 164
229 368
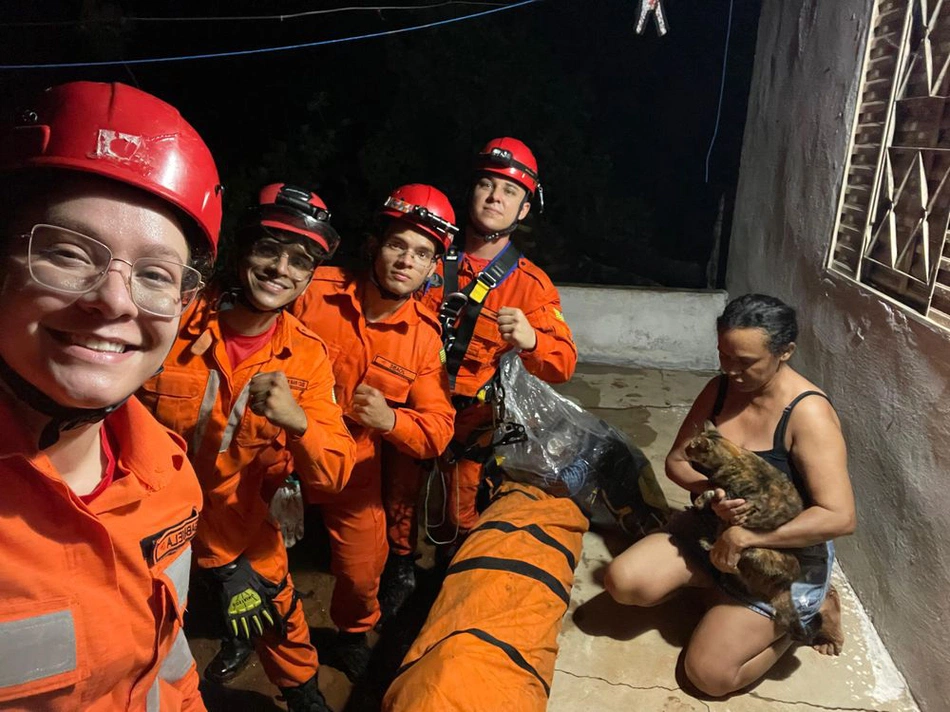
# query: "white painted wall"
644 327
887 372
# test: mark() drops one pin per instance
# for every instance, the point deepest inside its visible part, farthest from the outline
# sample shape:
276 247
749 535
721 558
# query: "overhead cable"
237 18
265 50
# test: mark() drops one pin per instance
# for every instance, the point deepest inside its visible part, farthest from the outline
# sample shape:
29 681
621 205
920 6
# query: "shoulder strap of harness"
460 309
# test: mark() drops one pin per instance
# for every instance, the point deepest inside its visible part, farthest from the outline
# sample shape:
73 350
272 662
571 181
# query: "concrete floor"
611 658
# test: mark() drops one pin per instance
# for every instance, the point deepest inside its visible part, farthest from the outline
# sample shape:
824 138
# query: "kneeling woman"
761 403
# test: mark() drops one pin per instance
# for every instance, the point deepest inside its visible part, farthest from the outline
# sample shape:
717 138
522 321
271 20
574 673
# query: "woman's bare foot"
830 637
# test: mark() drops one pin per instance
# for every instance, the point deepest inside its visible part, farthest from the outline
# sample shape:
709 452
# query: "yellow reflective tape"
442 357
558 315
478 292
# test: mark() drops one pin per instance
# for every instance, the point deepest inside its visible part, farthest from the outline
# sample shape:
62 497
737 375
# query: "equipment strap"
460 309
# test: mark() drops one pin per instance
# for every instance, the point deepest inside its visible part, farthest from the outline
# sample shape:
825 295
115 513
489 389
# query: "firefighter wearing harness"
251 390
386 354
490 299
110 206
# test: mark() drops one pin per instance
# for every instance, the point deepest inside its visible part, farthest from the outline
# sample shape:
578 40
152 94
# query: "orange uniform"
92 596
552 360
400 356
240 457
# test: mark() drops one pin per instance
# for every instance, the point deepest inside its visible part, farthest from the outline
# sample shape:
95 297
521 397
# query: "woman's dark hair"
760 311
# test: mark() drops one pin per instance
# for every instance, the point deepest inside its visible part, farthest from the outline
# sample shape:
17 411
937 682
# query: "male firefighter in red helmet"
490 299
386 354
251 390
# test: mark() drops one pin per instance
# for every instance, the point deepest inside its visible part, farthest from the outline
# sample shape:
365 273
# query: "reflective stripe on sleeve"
178 661
235 417
37 647
204 412
178 573
153 700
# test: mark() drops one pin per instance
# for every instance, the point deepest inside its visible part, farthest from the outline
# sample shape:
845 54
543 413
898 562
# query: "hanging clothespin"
656 7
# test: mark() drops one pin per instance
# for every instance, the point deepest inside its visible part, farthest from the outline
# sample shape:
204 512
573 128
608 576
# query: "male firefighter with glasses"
110 208
251 391
491 299
386 355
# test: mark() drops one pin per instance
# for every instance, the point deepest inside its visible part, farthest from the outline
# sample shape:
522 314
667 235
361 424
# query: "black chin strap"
383 292
230 298
61 417
495 236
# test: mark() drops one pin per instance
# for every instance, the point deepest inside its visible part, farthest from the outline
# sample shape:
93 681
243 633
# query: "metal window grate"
891 232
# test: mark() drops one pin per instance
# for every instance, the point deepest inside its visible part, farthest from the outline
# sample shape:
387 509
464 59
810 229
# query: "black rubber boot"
350 654
305 698
230 660
397 584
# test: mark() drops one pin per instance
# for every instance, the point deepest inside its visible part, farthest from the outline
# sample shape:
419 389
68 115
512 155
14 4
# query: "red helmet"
287 207
122 133
510 158
426 208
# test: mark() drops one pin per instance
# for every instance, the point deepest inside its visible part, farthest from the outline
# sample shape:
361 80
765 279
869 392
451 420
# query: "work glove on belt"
247 599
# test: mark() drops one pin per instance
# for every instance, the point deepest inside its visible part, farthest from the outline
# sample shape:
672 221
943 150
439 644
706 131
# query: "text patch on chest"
166 542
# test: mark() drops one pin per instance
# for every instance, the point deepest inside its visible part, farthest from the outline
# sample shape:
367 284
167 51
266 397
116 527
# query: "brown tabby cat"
765 573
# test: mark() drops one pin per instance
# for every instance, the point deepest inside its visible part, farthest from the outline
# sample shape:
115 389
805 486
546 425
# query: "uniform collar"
351 293
153 460
201 325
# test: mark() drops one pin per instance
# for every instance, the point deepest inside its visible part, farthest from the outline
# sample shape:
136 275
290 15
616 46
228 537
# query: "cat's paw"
704 500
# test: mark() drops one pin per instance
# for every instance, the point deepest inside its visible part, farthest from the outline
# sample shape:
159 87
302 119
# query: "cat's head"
710 449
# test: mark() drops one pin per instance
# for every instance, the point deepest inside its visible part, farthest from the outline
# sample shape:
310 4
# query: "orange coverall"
241 457
552 360
92 596
400 356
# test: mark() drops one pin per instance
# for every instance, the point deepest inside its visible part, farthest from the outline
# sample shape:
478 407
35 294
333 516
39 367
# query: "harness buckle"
451 309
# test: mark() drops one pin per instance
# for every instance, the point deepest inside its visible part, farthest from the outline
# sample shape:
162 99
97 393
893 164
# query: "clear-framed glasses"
420 257
68 261
300 263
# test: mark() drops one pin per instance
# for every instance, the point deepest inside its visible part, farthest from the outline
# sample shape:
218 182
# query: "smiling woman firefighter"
385 350
251 390
110 209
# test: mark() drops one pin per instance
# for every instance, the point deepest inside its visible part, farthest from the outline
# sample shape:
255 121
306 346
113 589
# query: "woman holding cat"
761 403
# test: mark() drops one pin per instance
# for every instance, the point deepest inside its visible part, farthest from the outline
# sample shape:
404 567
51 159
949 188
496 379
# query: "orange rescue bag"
490 640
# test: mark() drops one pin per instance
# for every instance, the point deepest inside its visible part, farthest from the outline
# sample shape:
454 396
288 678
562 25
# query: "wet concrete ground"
612 658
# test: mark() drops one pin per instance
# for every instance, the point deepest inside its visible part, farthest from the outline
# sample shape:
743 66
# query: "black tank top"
778 455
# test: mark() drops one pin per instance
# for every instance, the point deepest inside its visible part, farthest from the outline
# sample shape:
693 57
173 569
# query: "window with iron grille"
891 232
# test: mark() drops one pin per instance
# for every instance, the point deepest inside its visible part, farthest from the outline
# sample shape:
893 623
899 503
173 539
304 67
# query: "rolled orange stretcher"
490 640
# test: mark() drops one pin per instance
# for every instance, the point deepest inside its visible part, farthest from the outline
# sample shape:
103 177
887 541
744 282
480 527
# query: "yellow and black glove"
247 599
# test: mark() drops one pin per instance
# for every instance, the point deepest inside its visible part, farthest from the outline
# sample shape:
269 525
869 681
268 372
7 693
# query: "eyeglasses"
67 261
421 257
300 264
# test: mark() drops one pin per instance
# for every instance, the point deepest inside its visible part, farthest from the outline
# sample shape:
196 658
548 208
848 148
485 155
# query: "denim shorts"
808 592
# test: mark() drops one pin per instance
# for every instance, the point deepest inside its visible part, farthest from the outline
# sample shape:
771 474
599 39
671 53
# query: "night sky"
620 122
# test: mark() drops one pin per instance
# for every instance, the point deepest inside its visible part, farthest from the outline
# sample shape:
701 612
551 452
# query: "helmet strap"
235 296
61 417
495 236
383 292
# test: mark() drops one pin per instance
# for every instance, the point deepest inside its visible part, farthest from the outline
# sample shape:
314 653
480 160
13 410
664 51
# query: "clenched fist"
514 328
269 395
371 409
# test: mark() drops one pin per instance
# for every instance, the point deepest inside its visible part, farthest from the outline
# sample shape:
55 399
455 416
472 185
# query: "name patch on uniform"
168 541
394 367
297 383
